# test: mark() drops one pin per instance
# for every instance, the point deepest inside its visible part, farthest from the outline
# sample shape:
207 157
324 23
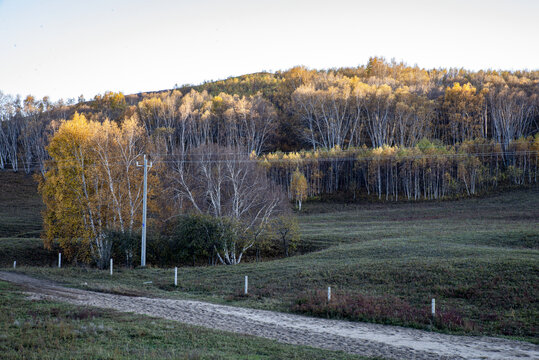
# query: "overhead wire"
39 165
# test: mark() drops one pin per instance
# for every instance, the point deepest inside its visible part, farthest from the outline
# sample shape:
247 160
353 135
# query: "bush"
286 231
195 238
125 246
385 310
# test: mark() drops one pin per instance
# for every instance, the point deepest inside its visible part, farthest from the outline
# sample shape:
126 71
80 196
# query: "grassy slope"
477 257
20 210
20 221
49 330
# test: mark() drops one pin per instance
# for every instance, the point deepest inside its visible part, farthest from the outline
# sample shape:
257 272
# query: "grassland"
478 257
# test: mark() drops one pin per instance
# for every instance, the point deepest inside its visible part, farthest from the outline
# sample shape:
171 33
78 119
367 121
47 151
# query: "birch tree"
299 187
92 185
512 112
9 131
225 183
330 110
250 121
463 107
379 115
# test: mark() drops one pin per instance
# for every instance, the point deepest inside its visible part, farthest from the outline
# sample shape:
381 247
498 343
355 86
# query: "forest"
232 154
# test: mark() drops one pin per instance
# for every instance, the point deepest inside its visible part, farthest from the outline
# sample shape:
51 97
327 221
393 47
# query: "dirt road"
359 338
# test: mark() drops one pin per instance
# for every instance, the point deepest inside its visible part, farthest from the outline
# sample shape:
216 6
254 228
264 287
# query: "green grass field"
478 257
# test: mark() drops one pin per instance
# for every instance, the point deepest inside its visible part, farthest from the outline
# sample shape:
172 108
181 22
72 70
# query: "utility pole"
144 206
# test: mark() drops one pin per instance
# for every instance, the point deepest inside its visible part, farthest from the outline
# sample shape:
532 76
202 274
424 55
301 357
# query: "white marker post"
433 308
176 276
15 264
59 260
329 293
246 283
111 267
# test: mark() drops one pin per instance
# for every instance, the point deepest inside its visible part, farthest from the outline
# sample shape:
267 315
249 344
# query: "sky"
66 48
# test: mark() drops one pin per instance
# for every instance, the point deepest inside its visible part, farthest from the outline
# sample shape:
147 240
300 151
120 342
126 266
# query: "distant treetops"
380 103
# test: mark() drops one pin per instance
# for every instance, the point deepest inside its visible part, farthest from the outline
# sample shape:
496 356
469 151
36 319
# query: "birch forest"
242 150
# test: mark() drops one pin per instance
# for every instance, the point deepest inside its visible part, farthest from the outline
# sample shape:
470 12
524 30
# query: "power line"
40 166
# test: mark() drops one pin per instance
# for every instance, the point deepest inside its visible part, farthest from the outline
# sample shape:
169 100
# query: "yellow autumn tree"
299 187
93 186
64 188
463 106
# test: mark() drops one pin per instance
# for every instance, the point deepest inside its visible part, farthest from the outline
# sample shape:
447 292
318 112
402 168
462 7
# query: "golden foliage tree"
64 189
299 187
93 186
463 106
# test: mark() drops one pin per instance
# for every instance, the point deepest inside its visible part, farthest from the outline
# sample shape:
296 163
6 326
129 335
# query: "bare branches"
330 109
512 113
223 183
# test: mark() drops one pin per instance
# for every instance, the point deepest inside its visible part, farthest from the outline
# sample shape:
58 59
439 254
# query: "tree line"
229 155
427 171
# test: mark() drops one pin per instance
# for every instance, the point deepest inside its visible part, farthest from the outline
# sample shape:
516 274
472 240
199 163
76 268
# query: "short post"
176 276
246 284
329 293
111 266
14 264
433 309
59 260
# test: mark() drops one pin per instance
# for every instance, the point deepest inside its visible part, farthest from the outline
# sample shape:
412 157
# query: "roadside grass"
478 257
31 329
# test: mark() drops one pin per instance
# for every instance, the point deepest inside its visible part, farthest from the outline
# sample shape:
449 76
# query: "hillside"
21 206
21 221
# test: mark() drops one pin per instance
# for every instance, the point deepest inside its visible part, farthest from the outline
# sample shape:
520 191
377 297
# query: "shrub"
385 310
125 246
196 238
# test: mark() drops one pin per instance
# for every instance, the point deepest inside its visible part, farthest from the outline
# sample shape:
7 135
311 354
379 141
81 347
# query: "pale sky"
65 48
